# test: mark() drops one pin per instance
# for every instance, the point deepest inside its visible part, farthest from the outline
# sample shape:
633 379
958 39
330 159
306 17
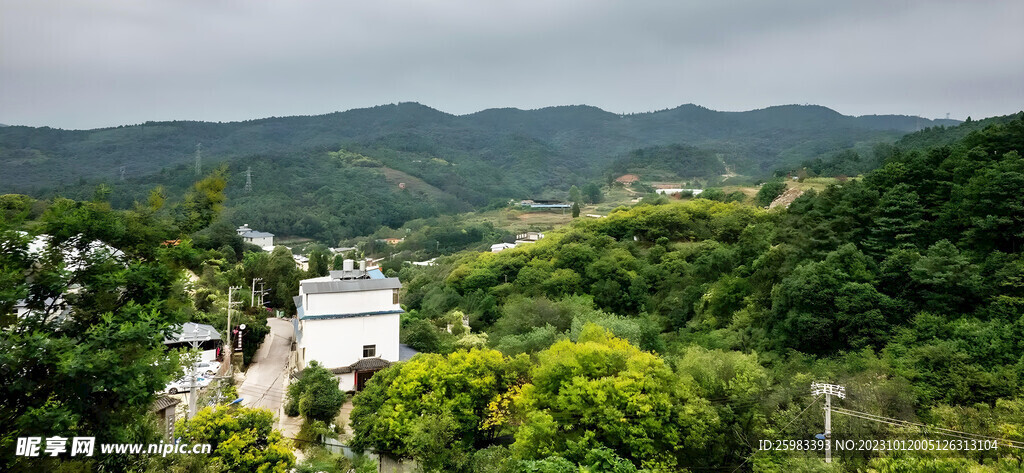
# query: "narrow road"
265 380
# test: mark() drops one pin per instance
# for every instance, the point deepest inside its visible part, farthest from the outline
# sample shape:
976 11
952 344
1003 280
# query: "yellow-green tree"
243 439
602 392
432 408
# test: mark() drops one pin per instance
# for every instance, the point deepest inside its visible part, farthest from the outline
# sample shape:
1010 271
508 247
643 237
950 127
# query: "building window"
394 296
369 350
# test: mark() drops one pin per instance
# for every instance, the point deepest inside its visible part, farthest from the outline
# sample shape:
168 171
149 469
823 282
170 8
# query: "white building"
261 239
528 237
693 192
498 247
349 322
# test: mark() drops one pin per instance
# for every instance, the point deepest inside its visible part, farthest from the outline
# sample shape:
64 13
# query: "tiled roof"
365 364
163 402
370 364
256 234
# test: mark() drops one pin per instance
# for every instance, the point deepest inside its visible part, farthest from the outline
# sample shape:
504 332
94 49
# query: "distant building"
349 322
528 237
674 191
499 247
261 239
301 262
544 204
393 241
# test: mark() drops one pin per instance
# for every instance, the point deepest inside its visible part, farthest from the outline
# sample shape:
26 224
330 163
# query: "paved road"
265 380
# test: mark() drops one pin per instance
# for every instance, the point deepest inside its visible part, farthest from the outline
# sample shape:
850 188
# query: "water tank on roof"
348 265
362 265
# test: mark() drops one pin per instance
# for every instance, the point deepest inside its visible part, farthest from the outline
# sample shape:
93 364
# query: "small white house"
349 322
261 239
673 191
499 247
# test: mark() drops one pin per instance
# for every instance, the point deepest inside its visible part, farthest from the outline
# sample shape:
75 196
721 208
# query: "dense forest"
673 336
348 173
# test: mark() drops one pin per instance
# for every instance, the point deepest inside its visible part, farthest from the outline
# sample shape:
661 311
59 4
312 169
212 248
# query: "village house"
191 335
348 321
499 247
528 237
261 239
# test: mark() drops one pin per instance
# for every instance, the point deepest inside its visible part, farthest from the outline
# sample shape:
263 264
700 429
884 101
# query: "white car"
184 384
208 368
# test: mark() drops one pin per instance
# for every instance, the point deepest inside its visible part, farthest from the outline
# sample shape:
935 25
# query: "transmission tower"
248 179
199 159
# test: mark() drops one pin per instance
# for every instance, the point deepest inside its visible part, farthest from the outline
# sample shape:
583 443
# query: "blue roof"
375 273
347 316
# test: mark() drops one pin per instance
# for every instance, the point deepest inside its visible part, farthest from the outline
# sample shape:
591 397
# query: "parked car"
208 368
184 384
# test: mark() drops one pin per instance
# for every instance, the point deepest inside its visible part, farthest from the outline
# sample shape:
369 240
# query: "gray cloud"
90 63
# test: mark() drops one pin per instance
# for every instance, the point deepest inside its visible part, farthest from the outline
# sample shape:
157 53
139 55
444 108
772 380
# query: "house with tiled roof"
349 322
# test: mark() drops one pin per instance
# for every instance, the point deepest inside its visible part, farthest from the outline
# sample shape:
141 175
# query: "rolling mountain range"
578 139
414 160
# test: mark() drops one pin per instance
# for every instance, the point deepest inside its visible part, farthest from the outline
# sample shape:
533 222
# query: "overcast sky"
93 63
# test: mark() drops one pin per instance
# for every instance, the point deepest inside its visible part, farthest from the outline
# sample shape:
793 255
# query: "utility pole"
231 303
262 291
828 390
253 301
192 375
248 179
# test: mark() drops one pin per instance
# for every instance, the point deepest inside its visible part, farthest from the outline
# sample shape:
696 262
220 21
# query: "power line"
813 402
938 430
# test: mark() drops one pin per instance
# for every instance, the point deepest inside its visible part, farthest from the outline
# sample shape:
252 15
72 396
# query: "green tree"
592 193
242 438
898 223
603 392
315 394
203 202
432 408
575 210
318 261
575 196
768 192
85 362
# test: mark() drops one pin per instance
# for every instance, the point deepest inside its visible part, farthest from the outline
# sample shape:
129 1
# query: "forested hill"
532 149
